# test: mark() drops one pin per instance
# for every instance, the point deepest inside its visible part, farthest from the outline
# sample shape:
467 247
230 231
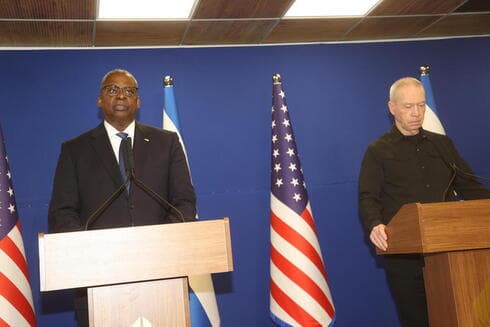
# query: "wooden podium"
454 238
136 276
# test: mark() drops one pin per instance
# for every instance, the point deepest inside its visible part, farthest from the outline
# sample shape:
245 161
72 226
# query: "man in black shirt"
405 165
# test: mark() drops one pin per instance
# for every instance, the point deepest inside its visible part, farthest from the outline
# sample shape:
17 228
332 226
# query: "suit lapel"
102 147
140 148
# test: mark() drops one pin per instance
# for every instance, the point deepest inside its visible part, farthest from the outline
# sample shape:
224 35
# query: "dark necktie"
122 164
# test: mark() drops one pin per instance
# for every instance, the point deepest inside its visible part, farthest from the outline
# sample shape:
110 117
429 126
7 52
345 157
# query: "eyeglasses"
113 90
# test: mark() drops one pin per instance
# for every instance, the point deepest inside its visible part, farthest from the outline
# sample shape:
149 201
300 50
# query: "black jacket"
399 169
87 174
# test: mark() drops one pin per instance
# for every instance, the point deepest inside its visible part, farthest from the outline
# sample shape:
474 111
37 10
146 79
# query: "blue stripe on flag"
198 315
432 122
429 96
170 107
278 321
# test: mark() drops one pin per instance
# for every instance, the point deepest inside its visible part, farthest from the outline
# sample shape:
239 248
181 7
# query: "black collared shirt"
399 169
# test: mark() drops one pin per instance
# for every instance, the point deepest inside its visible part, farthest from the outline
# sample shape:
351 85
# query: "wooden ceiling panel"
376 28
228 32
139 33
241 9
47 9
415 7
310 30
46 34
474 6
460 24
47 23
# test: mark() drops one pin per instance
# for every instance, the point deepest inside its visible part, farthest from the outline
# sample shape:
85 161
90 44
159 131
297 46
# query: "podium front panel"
161 303
123 255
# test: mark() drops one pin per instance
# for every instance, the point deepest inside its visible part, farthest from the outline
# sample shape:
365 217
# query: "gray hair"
117 71
402 82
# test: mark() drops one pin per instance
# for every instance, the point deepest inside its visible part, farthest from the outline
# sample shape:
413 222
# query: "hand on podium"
379 237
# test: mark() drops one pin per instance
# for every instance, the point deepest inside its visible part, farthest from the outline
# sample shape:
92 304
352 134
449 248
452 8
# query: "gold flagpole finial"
276 78
424 70
168 81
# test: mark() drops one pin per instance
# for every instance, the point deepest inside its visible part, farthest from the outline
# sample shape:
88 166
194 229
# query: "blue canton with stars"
8 208
287 183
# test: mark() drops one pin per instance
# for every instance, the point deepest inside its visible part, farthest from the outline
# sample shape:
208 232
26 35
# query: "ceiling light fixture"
145 9
329 8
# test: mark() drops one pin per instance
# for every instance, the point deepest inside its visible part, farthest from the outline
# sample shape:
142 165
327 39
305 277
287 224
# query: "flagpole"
424 70
168 81
276 79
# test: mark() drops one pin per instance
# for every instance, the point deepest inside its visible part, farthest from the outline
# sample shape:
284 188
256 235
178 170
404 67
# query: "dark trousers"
406 282
81 307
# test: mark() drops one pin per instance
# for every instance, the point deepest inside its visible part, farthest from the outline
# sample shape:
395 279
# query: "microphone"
129 167
128 156
444 152
457 169
466 174
451 165
451 180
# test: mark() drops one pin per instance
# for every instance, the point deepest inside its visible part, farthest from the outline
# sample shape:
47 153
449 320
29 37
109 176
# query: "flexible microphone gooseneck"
451 180
129 160
129 165
450 164
98 212
456 168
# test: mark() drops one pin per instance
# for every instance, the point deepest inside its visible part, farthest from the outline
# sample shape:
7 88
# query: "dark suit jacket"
87 174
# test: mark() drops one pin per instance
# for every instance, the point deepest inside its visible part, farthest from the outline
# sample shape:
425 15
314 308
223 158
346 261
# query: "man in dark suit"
88 172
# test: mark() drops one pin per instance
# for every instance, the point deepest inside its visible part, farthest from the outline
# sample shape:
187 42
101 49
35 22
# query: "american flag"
299 292
16 308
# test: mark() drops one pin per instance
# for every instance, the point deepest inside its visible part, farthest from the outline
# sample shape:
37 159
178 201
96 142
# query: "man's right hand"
378 237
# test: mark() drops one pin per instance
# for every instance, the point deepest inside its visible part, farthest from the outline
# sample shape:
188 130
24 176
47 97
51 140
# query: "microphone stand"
157 197
129 160
97 213
129 164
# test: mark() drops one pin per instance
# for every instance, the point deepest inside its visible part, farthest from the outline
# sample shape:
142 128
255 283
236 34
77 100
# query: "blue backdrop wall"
337 96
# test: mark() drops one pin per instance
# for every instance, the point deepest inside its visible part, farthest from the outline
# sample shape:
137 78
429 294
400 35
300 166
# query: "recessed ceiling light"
316 8
145 9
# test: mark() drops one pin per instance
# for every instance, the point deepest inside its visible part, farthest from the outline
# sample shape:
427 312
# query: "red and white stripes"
16 306
300 295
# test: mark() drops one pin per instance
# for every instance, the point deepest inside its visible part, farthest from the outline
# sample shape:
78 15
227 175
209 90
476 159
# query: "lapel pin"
147 140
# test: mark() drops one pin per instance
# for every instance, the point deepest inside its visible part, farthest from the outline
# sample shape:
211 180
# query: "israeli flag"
431 121
202 299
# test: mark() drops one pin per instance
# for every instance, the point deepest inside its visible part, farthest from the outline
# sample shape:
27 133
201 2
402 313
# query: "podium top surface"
131 254
439 227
